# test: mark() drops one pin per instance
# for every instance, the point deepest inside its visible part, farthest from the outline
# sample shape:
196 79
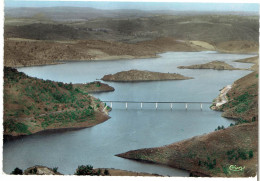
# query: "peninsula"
32 105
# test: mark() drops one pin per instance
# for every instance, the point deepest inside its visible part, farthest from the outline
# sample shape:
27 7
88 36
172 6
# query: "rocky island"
94 87
216 65
138 76
215 154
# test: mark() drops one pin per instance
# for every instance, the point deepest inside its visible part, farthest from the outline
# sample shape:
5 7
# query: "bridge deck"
154 102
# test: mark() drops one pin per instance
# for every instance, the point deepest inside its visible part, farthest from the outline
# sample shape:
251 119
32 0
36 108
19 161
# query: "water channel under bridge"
156 104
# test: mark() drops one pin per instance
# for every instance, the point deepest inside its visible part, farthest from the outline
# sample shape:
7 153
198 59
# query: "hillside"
216 153
23 52
128 26
40 36
208 155
32 105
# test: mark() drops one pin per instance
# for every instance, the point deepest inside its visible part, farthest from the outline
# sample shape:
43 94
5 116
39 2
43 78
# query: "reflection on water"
133 128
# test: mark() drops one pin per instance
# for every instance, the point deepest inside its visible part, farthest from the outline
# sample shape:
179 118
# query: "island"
226 152
216 65
94 87
139 76
32 105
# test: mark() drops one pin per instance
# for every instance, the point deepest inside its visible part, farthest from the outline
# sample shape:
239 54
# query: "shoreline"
125 57
58 130
172 155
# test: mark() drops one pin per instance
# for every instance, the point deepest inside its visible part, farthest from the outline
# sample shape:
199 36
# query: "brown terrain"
216 65
41 36
253 60
94 87
23 52
209 155
138 76
42 170
237 47
215 154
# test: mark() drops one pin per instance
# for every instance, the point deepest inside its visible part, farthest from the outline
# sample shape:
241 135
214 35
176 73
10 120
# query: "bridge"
156 103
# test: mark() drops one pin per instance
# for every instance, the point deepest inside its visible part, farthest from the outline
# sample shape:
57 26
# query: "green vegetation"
31 102
55 169
17 127
97 84
210 164
87 170
225 170
220 127
17 171
242 102
236 154
67 117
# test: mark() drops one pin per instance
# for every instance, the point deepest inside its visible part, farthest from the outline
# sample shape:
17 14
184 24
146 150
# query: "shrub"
55 169
242 154
225 170
99 172
106 172
84 170
17 171
250 154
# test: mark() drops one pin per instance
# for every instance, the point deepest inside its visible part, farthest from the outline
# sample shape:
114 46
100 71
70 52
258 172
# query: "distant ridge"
73 13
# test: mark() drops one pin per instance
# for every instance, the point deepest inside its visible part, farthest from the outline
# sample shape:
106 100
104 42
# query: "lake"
132 128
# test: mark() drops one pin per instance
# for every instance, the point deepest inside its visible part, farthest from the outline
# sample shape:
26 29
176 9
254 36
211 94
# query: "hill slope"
32 105
216 153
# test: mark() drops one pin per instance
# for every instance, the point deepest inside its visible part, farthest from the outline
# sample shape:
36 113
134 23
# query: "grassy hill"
32 105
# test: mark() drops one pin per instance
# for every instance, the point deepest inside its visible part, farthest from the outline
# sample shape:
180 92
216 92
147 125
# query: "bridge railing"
186 103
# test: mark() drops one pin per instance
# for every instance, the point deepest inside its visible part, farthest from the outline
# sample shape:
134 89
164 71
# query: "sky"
138 5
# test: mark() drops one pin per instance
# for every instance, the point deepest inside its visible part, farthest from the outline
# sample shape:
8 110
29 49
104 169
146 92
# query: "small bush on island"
87 170
17 171
55 169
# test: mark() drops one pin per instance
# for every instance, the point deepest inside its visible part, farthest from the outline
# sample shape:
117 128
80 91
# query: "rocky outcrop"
41 170
138 76
222 98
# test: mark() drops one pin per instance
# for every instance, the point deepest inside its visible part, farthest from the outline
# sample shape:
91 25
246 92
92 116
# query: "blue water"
133 128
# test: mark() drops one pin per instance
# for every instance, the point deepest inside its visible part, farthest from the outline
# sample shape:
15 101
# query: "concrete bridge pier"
186 106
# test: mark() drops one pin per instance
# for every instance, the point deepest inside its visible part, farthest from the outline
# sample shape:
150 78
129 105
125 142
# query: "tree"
17 171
